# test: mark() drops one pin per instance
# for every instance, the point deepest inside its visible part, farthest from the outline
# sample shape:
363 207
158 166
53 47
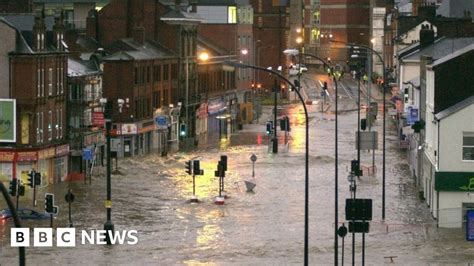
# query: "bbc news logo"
66 237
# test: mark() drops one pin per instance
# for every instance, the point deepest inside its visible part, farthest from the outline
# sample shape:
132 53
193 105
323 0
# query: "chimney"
177 5
39 32
138 34
58 31
193 5
427 36
92 29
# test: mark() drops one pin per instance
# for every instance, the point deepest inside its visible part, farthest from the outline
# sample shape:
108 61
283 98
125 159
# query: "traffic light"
325 85
182 130
197 168
285 124
269 127
224 161
363 124
297 84
220 170
189 167
31 179
37 179
355 167
21 190
49 203
13 187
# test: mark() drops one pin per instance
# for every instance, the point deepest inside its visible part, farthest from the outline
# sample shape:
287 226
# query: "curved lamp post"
295 52
16 220
352 45
306 197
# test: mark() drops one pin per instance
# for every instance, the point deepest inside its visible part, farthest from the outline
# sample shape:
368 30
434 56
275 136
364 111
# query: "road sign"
342 231
161 122
368 140
359 209
253 158
358 227
69 197
87 154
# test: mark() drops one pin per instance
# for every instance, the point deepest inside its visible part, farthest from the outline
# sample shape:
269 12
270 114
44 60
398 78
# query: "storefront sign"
454 181
46 153
412 115
7 156
399 106
98 119
470 225
27 156
128 129
7 120
62 150
97 138
202 111
146 129
216 106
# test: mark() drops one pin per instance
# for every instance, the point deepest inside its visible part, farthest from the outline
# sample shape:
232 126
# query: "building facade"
38 61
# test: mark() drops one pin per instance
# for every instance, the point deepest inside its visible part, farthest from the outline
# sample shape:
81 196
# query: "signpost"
69 199
87 155
161 122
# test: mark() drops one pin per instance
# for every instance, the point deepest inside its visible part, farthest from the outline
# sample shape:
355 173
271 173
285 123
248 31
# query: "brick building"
37 65
343 20
271 35
16 6
85 114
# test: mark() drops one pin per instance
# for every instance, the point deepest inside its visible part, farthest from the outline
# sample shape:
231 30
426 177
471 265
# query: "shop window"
50 81
50 125
232 11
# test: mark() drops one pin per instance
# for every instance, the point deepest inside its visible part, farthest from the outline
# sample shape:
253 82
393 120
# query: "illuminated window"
232 15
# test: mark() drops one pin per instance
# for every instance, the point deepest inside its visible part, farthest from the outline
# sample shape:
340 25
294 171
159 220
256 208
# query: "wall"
81 10
213 14
6 45
408 71
451 132
450 206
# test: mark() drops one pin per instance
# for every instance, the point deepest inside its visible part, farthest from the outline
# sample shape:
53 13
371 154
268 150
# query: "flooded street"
150 194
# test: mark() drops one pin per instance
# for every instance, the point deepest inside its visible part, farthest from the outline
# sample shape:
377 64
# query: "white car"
303 68
293 71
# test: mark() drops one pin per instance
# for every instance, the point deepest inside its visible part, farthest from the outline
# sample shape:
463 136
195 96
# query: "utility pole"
275 138
108 226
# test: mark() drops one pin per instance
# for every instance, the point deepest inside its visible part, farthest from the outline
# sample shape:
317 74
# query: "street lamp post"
306 198
336 190
352 45
108 226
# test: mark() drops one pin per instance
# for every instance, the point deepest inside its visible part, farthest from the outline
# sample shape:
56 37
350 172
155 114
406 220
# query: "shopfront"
6 165
217 119
201 120
61 162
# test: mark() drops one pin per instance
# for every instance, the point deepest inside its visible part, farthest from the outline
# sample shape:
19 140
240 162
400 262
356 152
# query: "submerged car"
24 214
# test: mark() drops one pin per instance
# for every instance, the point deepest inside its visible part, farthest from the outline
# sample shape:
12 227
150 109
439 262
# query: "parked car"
24 214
